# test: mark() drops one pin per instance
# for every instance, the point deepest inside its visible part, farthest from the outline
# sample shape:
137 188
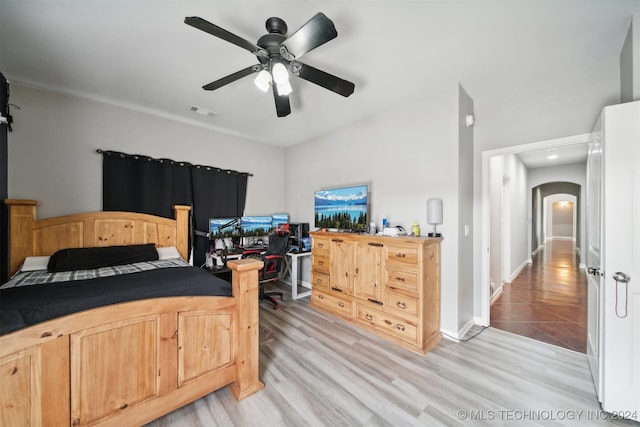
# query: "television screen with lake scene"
279 219
343 208
222 225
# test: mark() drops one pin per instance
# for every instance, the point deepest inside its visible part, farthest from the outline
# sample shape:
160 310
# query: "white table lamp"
434 215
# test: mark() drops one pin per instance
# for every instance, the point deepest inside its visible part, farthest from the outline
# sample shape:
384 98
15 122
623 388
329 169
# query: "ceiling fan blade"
317 31
232 77
321 78
213 29
283 107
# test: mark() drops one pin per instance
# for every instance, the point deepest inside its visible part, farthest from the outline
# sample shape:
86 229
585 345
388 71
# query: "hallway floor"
547 301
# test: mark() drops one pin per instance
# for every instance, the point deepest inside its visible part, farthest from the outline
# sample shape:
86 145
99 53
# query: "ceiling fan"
278 55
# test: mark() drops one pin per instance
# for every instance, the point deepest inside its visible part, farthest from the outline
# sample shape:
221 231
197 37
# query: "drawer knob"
401 305
320 262
341 304
400 327
318 281
368 316
320 245
320 296
401 255
400 279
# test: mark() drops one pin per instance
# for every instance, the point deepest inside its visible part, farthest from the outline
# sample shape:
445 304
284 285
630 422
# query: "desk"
219 262
292 261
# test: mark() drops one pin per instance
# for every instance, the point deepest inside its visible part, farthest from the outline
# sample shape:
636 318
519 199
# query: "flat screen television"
345 208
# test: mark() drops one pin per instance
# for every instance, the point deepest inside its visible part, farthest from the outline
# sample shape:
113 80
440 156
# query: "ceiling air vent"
202 111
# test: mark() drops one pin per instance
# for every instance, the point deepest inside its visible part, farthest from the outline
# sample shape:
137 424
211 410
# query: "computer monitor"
256 225
278 219
221 225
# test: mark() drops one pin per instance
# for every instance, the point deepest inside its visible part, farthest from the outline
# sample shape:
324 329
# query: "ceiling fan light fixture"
263 80
280 73
284 88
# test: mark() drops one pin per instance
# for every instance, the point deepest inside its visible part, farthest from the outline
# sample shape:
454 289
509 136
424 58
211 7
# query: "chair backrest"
278 243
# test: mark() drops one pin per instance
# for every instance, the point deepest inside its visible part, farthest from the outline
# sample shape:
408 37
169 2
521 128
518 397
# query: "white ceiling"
563 155
140 54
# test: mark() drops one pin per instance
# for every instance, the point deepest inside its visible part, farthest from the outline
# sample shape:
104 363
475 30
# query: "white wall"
465 212
561 220
53 159
509 165
407 154
575 173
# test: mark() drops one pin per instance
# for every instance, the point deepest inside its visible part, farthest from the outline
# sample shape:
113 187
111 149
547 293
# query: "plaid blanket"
42 276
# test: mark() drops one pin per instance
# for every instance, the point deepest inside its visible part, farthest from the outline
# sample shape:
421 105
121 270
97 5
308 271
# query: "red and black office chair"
274 259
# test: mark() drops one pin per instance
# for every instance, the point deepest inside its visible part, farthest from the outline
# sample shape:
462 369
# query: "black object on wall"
5 125
142 184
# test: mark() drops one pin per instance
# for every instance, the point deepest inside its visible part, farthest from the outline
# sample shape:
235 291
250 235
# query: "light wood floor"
319 371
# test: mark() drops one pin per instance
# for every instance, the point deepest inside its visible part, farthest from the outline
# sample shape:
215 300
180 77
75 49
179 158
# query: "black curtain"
4 221
216 193
142 184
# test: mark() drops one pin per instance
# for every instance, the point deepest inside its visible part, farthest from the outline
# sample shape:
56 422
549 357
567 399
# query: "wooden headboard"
31 237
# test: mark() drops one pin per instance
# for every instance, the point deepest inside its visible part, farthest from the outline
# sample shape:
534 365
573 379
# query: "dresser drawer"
402 279
333 304
320 281
320 246
320 263
402 256
391 325
402 305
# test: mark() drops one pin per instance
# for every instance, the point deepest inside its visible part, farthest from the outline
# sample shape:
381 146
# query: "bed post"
182 229
22 215
245 289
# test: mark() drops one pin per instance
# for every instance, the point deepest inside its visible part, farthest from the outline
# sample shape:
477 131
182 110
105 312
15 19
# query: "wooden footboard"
129 363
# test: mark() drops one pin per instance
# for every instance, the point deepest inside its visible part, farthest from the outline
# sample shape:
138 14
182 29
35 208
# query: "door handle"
595 271
621 277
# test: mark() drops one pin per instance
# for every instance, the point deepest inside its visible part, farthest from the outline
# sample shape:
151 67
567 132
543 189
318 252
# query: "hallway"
547 301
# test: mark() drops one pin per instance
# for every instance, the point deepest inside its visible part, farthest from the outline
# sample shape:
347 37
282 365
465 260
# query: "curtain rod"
108 152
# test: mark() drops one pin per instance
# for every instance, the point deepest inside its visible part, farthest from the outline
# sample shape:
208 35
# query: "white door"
616 354
506 231
593 243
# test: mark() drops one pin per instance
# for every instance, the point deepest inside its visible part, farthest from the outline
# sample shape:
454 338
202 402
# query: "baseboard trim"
520 268
455 336
496 295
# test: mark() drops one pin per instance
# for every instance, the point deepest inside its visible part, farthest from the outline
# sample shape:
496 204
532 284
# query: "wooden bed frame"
129 363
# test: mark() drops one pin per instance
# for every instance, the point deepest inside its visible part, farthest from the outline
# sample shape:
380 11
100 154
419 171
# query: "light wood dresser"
389 286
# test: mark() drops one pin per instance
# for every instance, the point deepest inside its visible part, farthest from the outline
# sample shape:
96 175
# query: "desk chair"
274 260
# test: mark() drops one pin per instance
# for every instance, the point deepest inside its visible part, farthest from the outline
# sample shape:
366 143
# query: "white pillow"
35 263
169 252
